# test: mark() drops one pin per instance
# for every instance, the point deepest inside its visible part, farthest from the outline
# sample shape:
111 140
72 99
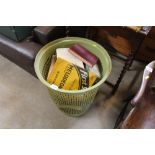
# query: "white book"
64 53
94 69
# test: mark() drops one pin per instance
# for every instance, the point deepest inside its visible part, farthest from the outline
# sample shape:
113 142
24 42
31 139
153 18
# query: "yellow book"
68 76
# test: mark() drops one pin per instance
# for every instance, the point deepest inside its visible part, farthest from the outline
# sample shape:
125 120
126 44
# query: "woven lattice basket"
73 103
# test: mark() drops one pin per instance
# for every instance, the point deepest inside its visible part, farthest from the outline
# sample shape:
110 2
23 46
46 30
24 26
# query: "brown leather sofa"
23 53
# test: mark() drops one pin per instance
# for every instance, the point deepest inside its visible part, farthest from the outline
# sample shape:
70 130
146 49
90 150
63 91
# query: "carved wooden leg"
126 67
91 33
87 34
121 115
67 31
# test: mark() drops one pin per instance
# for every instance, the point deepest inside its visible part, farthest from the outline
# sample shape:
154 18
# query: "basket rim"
58 41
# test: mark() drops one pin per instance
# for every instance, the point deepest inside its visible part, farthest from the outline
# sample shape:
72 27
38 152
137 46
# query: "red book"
83 54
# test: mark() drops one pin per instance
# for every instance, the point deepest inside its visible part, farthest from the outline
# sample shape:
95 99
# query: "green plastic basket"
73 103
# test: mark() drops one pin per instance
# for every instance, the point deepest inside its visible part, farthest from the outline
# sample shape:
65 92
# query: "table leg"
127 65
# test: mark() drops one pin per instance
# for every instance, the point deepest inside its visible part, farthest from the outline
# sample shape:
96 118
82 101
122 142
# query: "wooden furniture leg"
128 63
126 67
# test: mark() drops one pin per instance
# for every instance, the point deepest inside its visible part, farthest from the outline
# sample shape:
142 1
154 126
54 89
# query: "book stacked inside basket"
73 68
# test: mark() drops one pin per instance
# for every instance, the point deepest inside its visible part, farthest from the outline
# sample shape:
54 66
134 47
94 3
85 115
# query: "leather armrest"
22 53
45 34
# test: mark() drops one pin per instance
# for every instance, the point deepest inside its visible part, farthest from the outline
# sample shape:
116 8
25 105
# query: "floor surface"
25 102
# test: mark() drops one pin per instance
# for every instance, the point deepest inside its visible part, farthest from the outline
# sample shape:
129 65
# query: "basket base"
72 113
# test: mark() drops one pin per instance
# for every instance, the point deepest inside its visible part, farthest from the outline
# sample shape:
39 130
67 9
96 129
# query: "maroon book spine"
85 55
